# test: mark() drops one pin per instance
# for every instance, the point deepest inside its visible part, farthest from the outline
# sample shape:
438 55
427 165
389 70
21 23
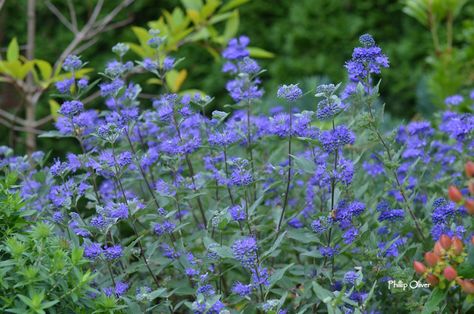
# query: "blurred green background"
311 40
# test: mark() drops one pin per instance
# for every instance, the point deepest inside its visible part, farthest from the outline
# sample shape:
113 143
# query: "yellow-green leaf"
192 4
260 53
45 68
13 50
139 50
232 4
12 68
25 69
214 53
154 81
209 8
194 16
231 26
142 35
175 79
54 107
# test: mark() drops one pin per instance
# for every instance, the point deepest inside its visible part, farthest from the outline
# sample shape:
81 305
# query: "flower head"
289 92
72 63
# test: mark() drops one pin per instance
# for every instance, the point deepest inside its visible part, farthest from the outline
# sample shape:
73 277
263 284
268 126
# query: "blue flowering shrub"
288 211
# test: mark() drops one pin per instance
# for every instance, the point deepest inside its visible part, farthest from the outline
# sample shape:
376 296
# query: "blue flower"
71 108
350 277
260 276
336 138
236 48
237 213
64 86
350 235
72 63
242 88
392 215
245 251
166 227
92 251
289 92
113 252
241 289
454 100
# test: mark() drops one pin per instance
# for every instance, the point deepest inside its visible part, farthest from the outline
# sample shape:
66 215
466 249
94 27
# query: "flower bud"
438 249
471 187
445 242
469 167
466 285
457 245
472 239
431 259
432 279
454 194
450 273
419 267
469 204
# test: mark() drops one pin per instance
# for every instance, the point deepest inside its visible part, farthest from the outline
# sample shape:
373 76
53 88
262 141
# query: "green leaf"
192 4
223 251
13 50
45 68
76 255
157 293
48 304
54 108
275 245
466 269
323 294
260 53
300 235
53 134
231 26
436 297
26 300
278 275
232 4
175 79
304 164
209 8
141 34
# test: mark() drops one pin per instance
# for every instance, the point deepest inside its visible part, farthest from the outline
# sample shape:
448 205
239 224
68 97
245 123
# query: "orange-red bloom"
454 194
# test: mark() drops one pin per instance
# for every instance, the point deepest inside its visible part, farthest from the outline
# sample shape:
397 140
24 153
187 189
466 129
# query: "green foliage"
210 24
39 271
452 46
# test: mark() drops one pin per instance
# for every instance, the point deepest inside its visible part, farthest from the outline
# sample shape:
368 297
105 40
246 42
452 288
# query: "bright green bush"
39 271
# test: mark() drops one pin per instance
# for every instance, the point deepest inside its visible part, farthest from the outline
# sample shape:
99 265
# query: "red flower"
450 273
454 194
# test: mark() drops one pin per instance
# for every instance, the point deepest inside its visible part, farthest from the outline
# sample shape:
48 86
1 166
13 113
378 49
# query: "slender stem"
333 190
94 178
288 180
198 198
191 173
399 185
142 251
142 172
258 278
110 272
250 151
227 176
